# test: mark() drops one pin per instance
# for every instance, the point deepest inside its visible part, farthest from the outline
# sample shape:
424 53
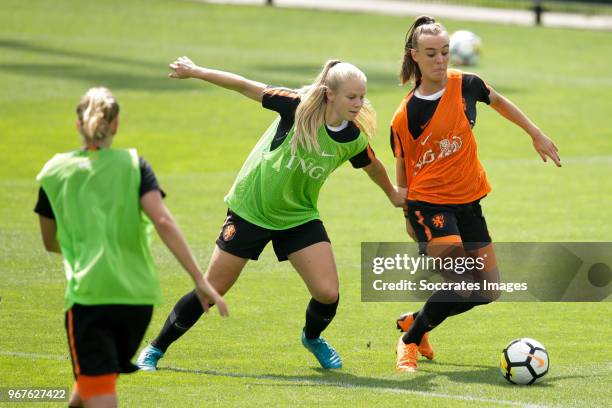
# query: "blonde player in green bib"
97 206
274 197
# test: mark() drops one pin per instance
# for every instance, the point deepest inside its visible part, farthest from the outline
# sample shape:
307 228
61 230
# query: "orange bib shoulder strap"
454 73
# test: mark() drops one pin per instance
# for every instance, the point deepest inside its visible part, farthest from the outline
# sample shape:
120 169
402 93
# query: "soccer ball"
524 361
464 48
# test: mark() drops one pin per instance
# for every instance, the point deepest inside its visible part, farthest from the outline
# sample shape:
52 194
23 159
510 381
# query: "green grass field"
51 52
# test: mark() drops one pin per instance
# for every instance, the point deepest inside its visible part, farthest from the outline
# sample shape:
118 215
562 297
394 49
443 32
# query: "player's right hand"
182 68
207 295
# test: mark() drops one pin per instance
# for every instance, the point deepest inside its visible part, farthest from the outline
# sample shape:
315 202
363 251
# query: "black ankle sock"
437 308
184 315
318 317
417 330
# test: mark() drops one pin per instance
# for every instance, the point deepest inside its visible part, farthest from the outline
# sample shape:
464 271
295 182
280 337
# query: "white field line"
340 384
33 356
299 380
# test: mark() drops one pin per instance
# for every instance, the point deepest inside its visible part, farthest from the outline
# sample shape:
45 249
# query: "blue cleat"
328 357
148 358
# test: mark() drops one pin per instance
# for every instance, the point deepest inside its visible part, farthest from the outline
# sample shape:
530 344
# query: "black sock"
473 301
185 314
318 317
437 308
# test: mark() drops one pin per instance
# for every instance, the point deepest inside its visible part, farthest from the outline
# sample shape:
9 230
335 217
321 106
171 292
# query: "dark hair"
422 25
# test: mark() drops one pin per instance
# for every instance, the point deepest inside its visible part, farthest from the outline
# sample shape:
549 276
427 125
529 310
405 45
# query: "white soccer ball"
464 48
524 361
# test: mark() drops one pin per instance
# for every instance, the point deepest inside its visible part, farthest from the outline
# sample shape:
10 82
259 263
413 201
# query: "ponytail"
310 113
96 110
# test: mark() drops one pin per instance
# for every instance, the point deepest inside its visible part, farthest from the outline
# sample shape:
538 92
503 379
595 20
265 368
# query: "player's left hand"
398 197
546 148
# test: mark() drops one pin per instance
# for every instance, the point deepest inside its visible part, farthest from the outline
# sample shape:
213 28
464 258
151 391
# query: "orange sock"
93 385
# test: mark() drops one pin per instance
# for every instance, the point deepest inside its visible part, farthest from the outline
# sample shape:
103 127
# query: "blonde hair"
96 110
310 113
422 25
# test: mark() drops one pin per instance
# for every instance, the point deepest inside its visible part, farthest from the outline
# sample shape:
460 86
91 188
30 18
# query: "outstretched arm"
184 68
541 143
169 232
377 172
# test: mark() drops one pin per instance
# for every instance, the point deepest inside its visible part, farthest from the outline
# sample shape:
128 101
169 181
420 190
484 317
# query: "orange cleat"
403 324
405 321
407 356
425 347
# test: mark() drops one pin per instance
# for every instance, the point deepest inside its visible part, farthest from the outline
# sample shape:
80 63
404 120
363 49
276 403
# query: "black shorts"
102 339
247 240
440 220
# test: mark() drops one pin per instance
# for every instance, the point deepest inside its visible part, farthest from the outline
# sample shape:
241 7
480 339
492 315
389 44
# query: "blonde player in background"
95 207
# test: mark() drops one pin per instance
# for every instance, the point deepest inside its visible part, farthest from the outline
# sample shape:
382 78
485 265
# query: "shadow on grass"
480 374
152 74
24 46
136 75
96 76
410 383
419 384
469 375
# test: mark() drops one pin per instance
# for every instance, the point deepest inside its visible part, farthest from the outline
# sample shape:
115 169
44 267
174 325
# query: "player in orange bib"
437 160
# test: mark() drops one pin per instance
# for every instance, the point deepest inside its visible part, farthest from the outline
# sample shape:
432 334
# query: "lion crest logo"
228 232
438 221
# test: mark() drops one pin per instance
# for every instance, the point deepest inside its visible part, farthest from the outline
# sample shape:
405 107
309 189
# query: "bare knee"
75 399
224 269
326 296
